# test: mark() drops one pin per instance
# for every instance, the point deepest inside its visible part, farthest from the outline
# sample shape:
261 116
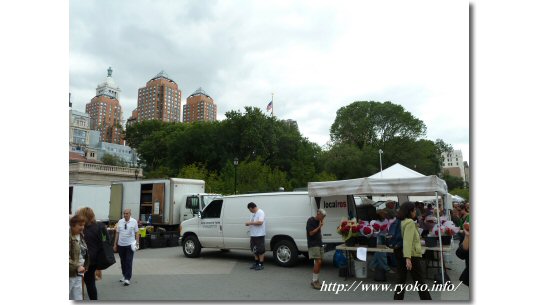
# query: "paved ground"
166 274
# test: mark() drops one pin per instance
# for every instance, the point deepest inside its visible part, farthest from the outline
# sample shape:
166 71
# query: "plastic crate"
173 239
157 240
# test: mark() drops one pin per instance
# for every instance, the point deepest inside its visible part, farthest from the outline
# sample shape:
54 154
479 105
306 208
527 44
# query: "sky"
314 56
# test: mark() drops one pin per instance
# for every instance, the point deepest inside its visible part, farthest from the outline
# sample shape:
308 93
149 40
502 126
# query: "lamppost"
381 162
137 169
236 162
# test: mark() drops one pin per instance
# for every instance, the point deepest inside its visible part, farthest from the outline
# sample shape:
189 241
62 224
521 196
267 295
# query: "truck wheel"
191 246
285 253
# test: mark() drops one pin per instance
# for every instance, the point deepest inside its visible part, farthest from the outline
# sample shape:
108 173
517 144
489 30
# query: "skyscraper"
199 107
159 100
105 110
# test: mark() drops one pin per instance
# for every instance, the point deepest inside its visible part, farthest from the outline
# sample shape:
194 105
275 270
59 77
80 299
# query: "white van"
221 225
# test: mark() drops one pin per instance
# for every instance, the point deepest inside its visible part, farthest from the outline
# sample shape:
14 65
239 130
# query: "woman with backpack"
409 255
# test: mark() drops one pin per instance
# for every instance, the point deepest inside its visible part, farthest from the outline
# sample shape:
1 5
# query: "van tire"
285 253
191 246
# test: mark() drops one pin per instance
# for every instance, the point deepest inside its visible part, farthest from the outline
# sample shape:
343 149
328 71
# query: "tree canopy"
272 153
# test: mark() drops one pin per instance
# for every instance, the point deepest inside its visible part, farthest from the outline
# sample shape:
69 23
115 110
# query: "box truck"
95 197
160 202
221 225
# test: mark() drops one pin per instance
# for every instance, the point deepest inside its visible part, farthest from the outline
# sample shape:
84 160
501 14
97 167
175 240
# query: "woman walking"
78 257
92 237
410 255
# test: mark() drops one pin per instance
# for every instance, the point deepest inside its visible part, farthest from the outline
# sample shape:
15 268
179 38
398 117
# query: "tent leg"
441 258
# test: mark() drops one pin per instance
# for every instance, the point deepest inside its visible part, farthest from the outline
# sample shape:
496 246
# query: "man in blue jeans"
126 235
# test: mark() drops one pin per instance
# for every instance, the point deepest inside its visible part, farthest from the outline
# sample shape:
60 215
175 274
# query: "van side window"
213 209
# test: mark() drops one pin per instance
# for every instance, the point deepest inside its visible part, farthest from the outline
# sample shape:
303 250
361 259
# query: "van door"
210 229
116 198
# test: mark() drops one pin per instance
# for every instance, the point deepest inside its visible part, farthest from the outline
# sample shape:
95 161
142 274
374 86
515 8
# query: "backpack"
339 259
105 255
395 231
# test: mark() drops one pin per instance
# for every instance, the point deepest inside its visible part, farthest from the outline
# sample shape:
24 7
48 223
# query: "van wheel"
285 253
191 246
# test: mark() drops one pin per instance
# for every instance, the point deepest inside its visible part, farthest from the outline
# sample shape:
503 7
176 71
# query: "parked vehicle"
221 225
160 202
95 197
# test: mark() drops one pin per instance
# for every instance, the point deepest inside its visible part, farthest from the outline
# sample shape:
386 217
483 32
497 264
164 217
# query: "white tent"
427 185
397 171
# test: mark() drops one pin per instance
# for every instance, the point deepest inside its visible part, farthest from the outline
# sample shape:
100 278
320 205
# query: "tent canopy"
420 186
396 171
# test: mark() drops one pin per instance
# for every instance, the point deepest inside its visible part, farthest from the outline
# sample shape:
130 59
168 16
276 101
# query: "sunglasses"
125 226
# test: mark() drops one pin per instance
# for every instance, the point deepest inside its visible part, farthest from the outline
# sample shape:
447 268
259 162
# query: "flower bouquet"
349 230
446 229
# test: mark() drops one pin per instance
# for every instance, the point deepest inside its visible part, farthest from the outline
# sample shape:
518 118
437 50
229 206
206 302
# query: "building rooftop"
200 91
162 74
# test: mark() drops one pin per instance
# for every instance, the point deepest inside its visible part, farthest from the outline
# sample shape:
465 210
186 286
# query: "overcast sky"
315 56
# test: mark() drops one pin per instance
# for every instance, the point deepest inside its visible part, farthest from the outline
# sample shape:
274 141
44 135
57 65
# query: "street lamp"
381 162
236 162
137 169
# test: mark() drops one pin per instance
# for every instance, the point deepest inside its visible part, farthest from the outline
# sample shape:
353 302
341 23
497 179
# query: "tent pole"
440 240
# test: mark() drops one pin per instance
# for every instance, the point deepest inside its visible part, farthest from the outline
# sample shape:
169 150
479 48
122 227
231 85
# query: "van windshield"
206 199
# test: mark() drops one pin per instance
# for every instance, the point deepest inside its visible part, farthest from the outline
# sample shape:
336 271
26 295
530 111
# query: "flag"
270 106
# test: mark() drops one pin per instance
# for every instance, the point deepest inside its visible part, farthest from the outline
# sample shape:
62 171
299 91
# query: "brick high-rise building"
199 107
159 100
105 111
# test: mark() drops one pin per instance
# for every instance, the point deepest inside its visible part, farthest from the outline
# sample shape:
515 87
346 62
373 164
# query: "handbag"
105 256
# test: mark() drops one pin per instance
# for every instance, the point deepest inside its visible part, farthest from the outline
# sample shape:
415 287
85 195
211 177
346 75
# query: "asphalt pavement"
165 274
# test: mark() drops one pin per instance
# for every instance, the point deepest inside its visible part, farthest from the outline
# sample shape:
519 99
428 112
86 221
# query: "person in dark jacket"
92 237
463 253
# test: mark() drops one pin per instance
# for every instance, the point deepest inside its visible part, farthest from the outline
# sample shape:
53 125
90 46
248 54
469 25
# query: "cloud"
315 56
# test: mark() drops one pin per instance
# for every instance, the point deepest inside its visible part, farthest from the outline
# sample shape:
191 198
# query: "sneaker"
391 271
126 283
254 266
259 267
316 285
122 279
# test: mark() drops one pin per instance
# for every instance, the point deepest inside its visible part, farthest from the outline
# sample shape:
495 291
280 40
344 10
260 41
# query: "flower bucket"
431 241
372 242
446 239
362 240
352 241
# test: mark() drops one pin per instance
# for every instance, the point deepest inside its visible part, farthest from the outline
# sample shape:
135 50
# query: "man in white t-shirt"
126 235
257 235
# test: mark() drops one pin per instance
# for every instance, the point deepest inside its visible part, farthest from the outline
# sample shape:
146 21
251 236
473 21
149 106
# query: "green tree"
372 123
114 160
464 193
453 182
347 161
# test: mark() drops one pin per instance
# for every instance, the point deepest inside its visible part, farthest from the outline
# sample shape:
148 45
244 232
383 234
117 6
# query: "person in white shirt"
257 235
126 235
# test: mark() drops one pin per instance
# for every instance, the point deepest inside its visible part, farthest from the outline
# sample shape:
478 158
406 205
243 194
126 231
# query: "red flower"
345 229
354 229
366 230
376 226
344 223
384 227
